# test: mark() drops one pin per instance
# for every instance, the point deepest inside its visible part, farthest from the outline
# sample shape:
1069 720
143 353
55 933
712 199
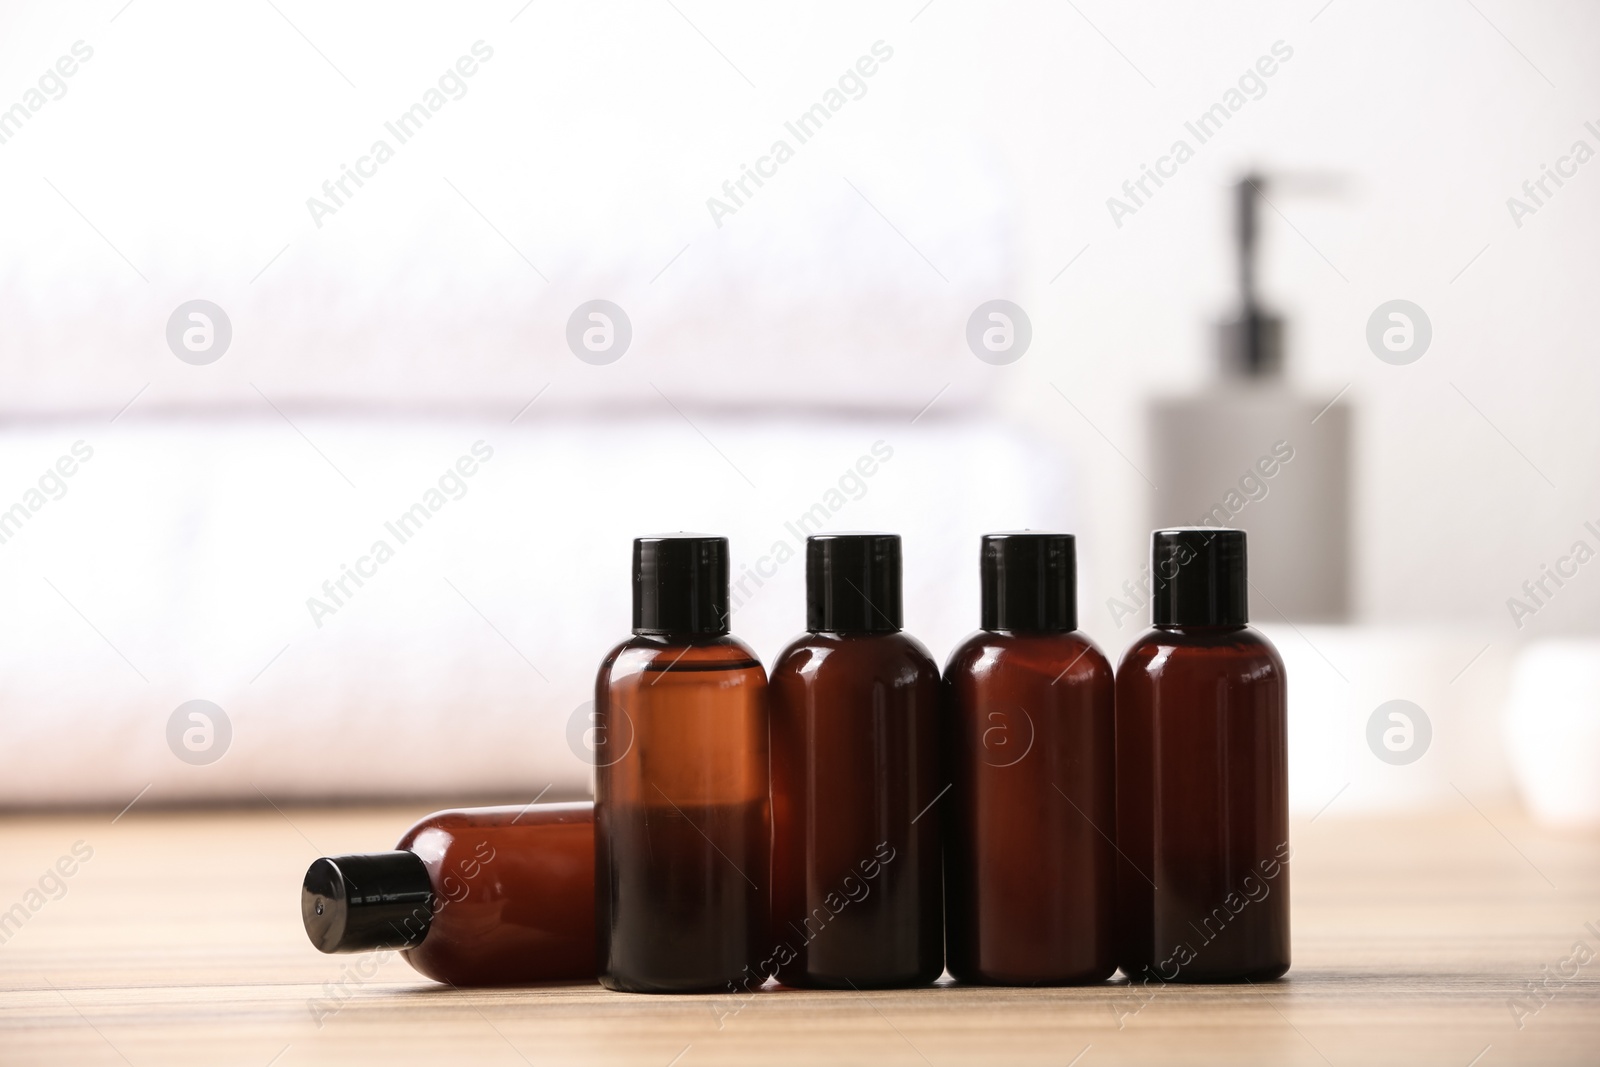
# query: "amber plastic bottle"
857 899
472 896
1202 779
1030 744
682 831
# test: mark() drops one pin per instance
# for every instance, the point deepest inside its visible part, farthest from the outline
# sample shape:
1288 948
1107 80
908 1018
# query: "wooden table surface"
178 941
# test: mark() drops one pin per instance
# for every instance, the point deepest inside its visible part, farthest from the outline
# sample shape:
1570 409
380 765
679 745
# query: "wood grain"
179 942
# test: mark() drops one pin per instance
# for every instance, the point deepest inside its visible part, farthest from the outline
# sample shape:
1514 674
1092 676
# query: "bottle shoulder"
891 653
645 652
1169 645
986 651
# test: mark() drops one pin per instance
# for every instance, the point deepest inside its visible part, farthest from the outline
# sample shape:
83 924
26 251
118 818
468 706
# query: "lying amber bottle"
681 826
1030 745
857 897
471 896
1202 778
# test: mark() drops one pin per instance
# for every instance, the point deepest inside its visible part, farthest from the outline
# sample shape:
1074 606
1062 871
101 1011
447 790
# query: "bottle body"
513 894
857 895
1202 806
1030 870
682 830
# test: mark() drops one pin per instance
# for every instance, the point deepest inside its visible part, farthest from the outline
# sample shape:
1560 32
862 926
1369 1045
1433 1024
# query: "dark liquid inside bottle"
688 908
682 834
1202 807
1030 869
855 775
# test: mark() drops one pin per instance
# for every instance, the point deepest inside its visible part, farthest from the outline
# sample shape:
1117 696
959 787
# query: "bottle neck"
854 634
1201 628
680 637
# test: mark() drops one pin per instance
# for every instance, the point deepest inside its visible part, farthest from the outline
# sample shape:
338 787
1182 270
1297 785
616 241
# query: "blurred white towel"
179 561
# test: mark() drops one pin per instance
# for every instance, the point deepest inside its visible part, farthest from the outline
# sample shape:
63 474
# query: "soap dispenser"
1252 452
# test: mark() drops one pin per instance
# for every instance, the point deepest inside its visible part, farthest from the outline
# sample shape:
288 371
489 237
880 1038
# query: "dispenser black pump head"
1251 342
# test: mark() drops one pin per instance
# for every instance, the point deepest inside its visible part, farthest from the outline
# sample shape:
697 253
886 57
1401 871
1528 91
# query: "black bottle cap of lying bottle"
1030 582
367 901
853 583
1199 577
680 584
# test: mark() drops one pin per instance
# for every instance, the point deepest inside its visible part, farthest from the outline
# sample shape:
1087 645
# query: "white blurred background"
772 348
